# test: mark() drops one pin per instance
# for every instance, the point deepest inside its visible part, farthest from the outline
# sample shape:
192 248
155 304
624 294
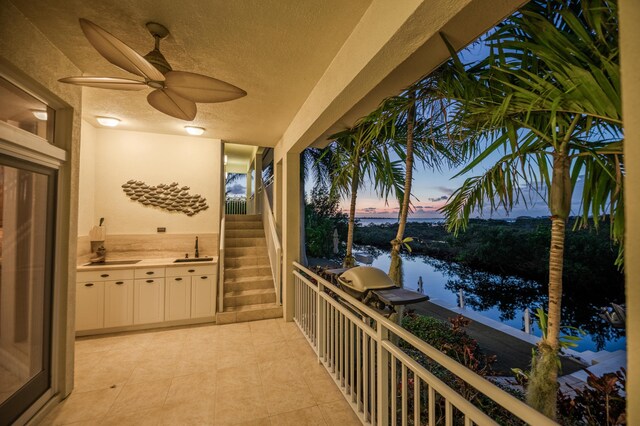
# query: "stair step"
234 226
244 242
249 297
243 218
249 313
245 251
247 271
244 233
245 261
248 283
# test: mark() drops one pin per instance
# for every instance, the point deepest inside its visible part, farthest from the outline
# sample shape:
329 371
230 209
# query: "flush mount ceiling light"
194 131
40 115
108 121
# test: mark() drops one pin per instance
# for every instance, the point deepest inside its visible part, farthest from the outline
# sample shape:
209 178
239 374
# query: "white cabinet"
202 281
89 305
203 296
113 298
177 298
148 301
118 303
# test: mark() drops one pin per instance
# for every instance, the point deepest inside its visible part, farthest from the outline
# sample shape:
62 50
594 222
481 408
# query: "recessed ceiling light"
194 131
40 115
108 121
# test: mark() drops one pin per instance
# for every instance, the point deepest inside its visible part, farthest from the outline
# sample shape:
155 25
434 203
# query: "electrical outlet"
162 229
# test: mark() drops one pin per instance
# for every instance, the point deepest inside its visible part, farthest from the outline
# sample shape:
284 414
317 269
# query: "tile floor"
256 373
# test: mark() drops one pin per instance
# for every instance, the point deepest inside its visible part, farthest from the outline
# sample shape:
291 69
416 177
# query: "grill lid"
362 278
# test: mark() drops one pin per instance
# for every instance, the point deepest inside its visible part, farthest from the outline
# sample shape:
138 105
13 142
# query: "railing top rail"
511 403
272 225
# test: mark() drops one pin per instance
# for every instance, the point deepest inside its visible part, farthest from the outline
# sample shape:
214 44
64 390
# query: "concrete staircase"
249 293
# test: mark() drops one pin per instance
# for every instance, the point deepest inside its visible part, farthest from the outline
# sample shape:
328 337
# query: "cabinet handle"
88 285
204 277
104 275
150 281
119 282
150 273
178 279
191 270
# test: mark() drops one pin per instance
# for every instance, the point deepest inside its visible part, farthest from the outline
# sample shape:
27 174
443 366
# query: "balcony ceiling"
276 51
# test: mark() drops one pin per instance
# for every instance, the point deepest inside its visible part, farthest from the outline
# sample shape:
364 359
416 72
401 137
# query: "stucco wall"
37 64
122 155
87 183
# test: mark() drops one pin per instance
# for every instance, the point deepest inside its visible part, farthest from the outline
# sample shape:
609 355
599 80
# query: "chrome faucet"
197 253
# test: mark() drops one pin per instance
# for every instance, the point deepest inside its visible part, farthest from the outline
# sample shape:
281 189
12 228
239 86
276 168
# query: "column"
290 228
629 15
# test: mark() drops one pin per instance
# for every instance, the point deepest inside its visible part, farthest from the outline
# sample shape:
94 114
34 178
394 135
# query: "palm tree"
360 153
548 97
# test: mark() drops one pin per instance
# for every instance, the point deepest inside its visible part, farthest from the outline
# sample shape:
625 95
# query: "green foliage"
322 217
601 402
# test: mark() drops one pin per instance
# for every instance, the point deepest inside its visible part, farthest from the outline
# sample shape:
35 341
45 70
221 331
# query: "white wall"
87 183
121 155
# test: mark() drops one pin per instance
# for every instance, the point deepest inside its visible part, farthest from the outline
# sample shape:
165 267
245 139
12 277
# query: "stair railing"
221 266
273 245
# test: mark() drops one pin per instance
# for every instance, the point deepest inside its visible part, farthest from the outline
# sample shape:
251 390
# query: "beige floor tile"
155 368
140 396
149 417
238 377
323 387
236 356
199 362
115 368
339 413
311 416
287 396
82 406
281 370
257 422
272 352
195 387
236 405
290 330
199 412
300 348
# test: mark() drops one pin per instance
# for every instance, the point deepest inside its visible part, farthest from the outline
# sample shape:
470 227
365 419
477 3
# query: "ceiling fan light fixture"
108 121
40 115
194 131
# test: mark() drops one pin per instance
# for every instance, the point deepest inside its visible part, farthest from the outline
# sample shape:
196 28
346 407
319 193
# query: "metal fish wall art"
170 197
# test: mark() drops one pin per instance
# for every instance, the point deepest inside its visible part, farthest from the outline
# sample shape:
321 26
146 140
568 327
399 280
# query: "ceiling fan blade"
200 88
172 104
118 53
106 82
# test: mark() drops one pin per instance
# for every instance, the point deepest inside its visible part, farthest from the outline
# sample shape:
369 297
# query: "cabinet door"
89 306
177 298
118 303
148 301
203 302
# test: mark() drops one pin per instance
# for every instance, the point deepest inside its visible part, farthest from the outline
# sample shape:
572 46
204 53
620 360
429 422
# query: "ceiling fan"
176 92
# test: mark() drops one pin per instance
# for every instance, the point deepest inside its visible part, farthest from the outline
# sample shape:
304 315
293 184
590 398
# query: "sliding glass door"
27 208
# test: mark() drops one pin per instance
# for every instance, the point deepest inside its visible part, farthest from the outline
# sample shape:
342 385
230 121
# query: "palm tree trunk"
543 383
349 260
396 244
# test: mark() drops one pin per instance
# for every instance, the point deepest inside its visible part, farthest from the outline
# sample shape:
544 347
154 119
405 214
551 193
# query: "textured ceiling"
275 50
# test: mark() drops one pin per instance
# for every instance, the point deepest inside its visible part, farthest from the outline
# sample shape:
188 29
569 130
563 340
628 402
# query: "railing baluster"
432 406
365 375
416 399
404 394
448 415
358 365
394 392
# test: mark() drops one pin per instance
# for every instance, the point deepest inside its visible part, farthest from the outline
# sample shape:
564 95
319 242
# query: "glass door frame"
12 408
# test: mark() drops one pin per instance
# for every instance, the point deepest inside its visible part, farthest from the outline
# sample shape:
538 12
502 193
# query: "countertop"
144 263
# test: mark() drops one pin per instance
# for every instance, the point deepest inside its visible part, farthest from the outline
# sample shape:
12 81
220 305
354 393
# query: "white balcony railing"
221 267
235 205
273 245
382 382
